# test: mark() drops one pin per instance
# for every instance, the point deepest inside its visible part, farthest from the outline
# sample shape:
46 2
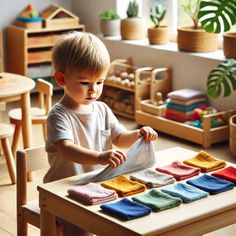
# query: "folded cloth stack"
157 200
211 184
187 193
124 186
152 178
92 194
181 104
126 209
205 162
179 170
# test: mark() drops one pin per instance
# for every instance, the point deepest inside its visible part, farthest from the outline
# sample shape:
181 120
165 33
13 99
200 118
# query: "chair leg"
9 159
22 228
15 139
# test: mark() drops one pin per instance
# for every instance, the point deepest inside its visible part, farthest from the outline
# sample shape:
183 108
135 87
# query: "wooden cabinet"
29 50
1 52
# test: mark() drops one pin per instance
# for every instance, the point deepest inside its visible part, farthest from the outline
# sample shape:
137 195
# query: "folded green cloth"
157 200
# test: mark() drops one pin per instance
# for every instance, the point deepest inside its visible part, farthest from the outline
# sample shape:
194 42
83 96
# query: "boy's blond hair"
80 51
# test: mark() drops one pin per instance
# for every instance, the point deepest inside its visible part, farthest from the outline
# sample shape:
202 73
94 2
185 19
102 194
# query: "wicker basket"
232 135
229 45
158 36
196 40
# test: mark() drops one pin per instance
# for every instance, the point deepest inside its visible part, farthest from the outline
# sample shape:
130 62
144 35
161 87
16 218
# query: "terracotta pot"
158 35
110 27
196 40
133 28
229 45
232 135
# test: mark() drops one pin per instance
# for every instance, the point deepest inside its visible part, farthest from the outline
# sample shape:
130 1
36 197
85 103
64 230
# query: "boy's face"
84 87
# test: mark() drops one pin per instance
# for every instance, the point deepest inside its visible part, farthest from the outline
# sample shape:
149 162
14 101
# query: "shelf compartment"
39 56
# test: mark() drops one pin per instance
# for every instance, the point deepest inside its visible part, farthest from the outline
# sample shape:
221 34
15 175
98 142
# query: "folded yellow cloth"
124 186
205 162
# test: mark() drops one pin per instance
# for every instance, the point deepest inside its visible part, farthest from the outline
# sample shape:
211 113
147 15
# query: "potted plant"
194 38
158 34
218 16
133 27
222 81
109 23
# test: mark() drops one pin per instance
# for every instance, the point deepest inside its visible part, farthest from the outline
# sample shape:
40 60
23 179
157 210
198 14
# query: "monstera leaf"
217 15
222 80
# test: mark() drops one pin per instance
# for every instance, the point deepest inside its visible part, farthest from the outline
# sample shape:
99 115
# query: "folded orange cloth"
205 162
124 186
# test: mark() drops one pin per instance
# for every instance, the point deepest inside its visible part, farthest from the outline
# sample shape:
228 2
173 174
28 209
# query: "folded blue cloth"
186 192
126 209
211 184
177 107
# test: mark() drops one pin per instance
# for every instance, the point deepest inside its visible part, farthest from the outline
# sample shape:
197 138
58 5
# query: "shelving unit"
1 52
119 89
33 49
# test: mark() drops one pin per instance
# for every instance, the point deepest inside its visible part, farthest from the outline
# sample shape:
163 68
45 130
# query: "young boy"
81 130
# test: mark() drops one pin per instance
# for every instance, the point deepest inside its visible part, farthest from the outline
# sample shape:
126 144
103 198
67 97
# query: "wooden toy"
29 18
55 16
160 86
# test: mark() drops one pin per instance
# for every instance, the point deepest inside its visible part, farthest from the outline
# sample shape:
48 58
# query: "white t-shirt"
94 131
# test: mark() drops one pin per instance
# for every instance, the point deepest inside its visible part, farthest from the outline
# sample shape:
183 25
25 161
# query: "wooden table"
17 87
196 218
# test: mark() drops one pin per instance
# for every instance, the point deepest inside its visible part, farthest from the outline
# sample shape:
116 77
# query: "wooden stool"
6 131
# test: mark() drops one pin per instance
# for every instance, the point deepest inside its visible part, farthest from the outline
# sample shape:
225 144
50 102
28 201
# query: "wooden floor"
8 191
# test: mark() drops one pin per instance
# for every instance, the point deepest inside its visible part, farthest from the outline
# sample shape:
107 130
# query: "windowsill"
171 47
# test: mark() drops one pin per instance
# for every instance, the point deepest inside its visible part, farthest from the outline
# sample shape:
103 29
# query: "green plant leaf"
217 15
222 80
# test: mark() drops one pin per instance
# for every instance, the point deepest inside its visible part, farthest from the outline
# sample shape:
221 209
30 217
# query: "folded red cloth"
228 173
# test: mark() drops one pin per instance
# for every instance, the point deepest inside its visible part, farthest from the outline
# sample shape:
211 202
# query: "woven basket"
232 135
229 45
158 36
133 28
196 40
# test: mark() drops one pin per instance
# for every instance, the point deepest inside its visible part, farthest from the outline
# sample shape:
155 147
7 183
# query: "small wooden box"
149 107
29 25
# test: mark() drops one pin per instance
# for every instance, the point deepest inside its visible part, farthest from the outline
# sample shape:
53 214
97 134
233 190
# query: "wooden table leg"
26 125
47 223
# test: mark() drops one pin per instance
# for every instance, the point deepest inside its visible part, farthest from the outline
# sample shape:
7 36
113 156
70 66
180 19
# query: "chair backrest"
28 160
45 90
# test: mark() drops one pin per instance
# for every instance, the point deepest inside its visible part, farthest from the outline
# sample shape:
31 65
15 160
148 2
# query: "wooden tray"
206 136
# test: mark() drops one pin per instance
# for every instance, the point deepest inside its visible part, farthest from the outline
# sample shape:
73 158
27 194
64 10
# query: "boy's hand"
112 157
148 134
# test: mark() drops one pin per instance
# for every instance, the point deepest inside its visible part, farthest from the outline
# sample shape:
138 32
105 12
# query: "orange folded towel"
124 186
205 162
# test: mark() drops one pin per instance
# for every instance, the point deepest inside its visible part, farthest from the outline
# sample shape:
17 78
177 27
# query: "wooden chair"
28 212
38 114
6 131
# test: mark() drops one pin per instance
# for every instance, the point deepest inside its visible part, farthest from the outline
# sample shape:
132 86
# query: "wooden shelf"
33 47
119 86
1 52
